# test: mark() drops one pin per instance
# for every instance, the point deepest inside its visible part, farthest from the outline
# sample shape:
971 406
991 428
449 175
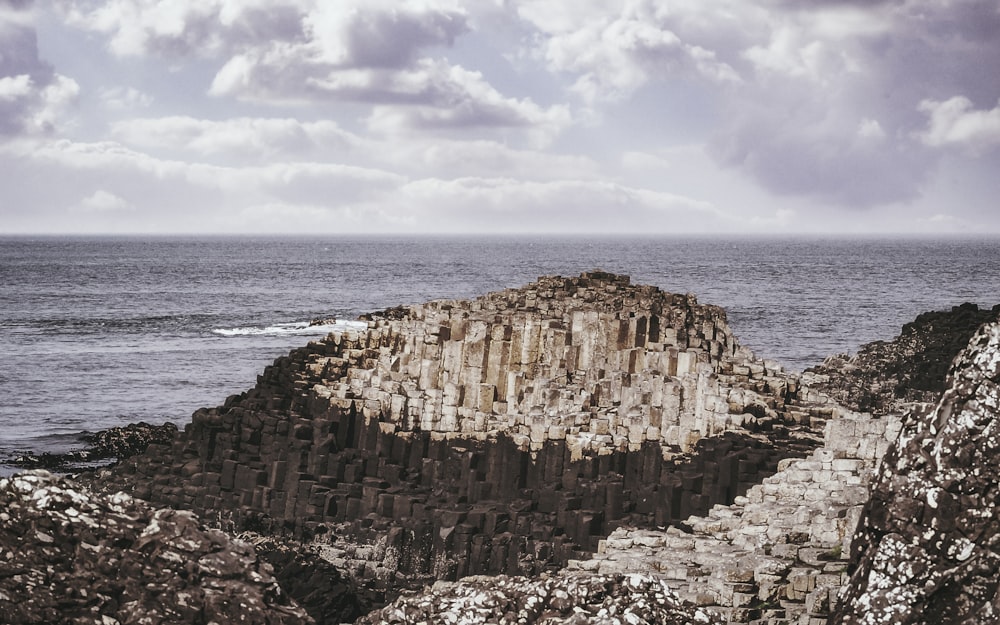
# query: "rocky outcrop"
926 549
581 599
103 447
503 435
888 376
69 556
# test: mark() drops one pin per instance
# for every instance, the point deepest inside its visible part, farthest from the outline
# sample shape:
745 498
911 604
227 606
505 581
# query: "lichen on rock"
576 598
926 548
71 556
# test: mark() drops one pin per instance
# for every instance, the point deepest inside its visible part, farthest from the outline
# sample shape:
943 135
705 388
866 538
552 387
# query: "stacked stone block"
779 554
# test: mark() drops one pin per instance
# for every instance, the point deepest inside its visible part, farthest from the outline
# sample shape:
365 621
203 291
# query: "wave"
303 328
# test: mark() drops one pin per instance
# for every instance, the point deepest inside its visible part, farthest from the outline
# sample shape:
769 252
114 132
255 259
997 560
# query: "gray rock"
926 548
70 556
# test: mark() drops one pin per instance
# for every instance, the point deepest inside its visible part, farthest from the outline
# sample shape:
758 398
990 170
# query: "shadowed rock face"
927 549
70 556
578 598
885 376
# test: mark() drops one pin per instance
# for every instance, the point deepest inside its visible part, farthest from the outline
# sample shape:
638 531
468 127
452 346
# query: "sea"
98 332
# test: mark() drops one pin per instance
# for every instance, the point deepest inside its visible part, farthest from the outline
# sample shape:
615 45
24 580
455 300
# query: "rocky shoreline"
578 436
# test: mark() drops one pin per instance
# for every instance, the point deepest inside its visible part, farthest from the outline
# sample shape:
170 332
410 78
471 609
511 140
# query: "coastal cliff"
578 432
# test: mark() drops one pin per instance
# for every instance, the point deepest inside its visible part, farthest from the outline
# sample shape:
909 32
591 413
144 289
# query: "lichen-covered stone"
926 548
577 598
70 556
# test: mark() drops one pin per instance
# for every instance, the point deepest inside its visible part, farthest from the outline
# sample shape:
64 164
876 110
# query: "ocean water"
99 332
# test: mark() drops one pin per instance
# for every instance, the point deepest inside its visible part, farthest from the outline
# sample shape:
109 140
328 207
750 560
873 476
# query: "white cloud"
954 122
511 205
15 87
616 49
102 201
33 98
247 138
125 98
482 159
871 129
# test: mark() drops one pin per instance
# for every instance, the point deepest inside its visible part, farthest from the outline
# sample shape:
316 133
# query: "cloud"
33 98
615 51
378 53
124 98
954 122
504 205
102 201
483 159
244 138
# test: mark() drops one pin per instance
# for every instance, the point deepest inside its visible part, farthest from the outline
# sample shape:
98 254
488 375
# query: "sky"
499 116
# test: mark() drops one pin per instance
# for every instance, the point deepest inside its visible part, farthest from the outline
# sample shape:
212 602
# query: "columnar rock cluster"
506 434
587 423
69 556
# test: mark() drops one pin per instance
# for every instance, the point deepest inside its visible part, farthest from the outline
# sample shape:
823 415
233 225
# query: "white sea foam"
294 328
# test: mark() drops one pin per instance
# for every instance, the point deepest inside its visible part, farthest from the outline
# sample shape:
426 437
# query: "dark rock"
127 441
70 556
886 376
926 547
396 312
115 443
312 582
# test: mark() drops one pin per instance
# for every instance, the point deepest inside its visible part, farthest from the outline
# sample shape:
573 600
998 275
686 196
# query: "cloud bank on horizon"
644 116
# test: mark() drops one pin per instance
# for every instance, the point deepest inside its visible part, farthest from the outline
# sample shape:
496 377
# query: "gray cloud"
806 135
23 76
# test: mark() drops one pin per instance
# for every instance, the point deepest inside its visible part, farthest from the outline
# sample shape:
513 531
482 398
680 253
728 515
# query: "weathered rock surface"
310 580
502 435
577 598
108 445
70 556
887 376
927 549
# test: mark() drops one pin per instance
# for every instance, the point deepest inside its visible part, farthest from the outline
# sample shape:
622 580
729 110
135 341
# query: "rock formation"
103 447
69 556
886 377
503 435
587 423
926 550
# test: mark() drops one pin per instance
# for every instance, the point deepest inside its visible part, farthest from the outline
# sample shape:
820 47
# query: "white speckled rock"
926 548
577 598
70 556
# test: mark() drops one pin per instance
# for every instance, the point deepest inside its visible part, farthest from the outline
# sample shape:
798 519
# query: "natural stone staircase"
779 553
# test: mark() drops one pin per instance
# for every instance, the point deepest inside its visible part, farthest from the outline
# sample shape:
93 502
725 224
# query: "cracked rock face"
577 598
927 549
70 556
